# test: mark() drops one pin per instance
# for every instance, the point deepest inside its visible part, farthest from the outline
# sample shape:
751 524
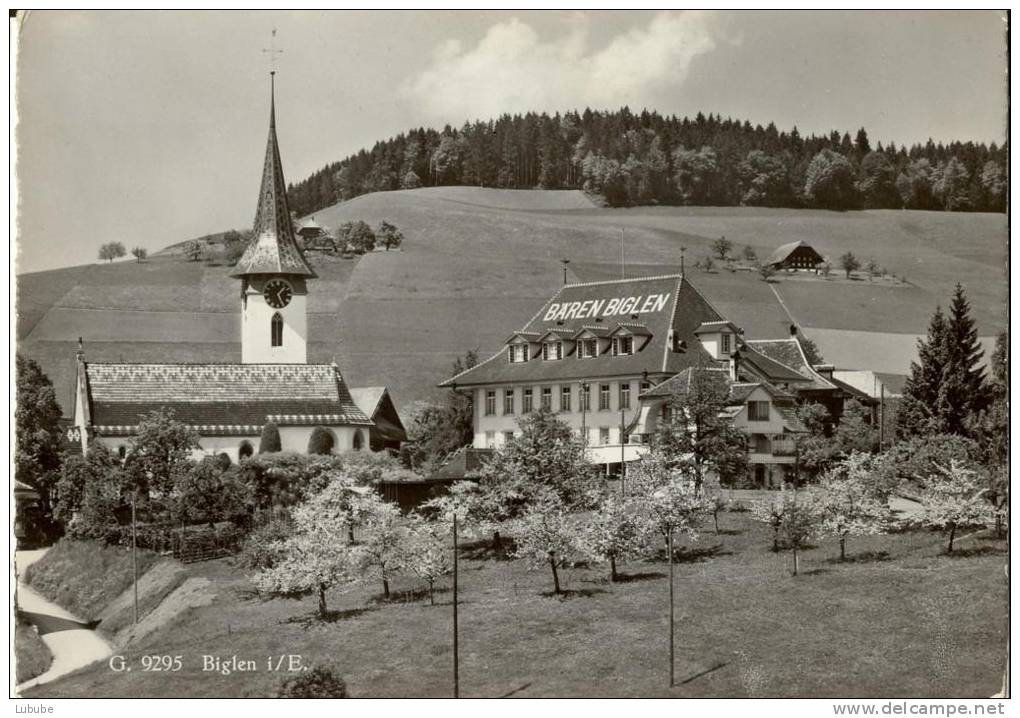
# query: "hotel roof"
668 308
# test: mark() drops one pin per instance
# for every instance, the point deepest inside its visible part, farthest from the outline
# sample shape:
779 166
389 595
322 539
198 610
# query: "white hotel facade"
606 356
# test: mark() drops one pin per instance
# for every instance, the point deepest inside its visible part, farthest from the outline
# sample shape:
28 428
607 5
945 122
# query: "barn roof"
219 398
273 250
667 309
784 251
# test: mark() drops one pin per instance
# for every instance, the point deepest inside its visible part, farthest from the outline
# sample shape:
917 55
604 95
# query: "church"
229 404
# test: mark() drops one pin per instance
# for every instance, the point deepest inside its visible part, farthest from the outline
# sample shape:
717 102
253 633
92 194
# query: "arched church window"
276 327
245 450
359 440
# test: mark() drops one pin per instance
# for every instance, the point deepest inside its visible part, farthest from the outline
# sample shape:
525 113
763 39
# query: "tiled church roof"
220 398
273 250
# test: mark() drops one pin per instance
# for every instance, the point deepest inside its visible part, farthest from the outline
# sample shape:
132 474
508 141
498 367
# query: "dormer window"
552 351
718 338
623 346
588 348
519 353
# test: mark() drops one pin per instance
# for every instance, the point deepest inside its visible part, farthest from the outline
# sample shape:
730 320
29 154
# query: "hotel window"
625 395
552 350
276 329
508 436
490 402
586 397
725 343
490 439
565 393
760 444
603 397
547 397
589 348
519 353
527 404
508 401
757 411
645 386
667 414
603 434
623 346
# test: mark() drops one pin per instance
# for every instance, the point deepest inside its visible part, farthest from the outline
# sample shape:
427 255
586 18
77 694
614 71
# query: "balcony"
784 447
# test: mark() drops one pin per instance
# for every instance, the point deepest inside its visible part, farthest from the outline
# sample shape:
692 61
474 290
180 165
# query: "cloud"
513 69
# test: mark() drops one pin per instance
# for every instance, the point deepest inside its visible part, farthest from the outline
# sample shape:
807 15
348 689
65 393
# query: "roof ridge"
620 281
671 331
462 373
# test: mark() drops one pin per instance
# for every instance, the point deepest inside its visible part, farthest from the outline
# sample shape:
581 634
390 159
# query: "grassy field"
898 619
476 264
85 577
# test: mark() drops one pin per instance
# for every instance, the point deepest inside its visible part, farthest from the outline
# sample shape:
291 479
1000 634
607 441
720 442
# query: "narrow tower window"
276 326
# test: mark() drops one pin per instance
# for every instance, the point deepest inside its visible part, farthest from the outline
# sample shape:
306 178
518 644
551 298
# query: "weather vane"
273 52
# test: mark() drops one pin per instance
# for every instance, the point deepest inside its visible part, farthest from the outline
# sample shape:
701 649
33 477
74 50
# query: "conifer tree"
963 392
922 386
946 388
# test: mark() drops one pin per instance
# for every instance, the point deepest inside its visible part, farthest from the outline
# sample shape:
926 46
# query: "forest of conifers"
639 159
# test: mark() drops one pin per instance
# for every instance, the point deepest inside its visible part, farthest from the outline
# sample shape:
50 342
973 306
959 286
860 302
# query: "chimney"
793 331
825 370
735 365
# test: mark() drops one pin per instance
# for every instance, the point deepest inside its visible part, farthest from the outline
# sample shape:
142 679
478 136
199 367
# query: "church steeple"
273 249
273 272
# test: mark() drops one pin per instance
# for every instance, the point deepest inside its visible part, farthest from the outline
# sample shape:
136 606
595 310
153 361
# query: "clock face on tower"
278 294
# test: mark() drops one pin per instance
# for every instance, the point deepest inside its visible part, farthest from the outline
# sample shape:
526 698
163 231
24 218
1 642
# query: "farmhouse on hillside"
606 356
229 404
313 236
795 255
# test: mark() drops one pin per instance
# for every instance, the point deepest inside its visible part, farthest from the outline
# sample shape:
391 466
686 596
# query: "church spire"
273 249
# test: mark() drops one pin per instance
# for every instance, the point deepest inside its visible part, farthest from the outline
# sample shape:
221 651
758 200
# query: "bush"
321 442
319 682
270 439
285 478
31 655
907 464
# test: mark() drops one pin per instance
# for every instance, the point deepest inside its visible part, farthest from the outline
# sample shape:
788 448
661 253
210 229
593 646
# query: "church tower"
273 272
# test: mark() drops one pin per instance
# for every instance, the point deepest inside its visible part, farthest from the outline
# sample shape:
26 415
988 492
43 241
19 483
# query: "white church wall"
292 439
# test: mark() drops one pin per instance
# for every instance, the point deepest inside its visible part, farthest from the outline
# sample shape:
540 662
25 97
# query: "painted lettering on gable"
618 306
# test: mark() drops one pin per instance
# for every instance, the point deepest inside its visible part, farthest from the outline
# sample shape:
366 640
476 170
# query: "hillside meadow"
477 263
898 619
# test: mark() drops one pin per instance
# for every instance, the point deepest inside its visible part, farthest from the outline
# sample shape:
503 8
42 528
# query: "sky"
149 127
